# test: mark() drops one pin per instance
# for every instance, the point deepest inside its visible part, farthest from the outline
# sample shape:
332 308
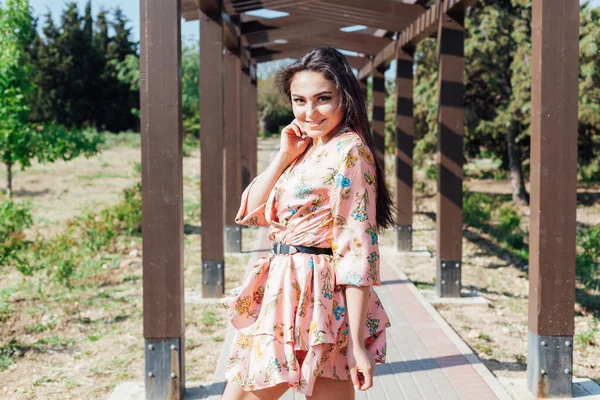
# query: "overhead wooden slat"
355 62
264 53
265 24
231 39
291 32
385 55
209 7
244 6
386 10
424 26
327 15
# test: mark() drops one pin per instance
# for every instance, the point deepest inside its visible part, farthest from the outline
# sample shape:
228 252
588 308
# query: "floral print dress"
290 312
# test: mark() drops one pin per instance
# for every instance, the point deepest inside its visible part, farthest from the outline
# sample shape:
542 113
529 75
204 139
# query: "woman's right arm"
291 146
265 181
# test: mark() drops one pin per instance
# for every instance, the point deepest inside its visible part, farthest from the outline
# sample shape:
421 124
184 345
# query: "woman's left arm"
356 250
359 359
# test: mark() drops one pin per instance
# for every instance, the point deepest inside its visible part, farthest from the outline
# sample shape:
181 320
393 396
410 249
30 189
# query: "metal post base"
164 369
404 237
448 278
549 365
213 278
233 239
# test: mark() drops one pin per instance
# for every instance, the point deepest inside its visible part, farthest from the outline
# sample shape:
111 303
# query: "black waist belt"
280 248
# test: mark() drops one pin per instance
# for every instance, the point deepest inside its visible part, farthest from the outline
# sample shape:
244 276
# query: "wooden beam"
258 25
162 199
384 56
383 11
252 100
290 32
209 7
378 116
449 217
237 7
357 62
552 226
231 37
328 15
162 179
211 159
232 128
268 53
425 25
404 150
246 111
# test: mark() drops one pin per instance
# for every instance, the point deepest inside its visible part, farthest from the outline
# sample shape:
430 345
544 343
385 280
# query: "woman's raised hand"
293 140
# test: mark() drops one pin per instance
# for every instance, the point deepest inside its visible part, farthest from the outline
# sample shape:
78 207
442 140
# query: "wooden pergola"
233 43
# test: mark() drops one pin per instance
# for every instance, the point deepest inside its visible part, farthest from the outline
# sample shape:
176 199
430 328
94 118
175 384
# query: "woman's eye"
324 98
298 100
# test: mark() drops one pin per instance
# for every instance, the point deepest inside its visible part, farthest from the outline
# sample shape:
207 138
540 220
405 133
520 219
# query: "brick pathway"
426 360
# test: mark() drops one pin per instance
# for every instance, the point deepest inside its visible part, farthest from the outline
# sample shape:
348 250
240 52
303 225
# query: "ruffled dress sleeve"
255 217
355 240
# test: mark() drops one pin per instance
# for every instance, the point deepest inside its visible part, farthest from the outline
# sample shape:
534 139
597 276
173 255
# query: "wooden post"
378 119
451 36
364 87
233 171
404 149
162 199
211 146
253 119
246 131
554 95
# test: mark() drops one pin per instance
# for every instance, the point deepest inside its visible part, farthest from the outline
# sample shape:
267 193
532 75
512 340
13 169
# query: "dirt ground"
81 343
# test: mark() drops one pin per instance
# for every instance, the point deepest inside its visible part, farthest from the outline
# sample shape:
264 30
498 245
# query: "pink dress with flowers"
290 311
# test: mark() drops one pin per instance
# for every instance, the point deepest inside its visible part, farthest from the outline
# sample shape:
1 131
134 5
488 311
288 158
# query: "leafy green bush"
80 248
127 215
431 172
190 143
587 263
15 218
477 209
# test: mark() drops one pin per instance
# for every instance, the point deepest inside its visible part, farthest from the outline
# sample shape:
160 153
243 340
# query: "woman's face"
316 103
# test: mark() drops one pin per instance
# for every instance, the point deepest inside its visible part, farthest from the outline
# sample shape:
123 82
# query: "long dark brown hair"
334 66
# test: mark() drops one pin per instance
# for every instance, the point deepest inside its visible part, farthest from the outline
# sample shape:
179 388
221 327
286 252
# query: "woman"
307 316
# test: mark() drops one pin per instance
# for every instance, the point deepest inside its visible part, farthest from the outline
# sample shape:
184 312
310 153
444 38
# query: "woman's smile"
314 124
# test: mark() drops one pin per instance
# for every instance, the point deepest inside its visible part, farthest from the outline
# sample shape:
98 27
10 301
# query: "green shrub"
10 351
190 143
127 215
508 228
14 219
477 210
587 260
431 172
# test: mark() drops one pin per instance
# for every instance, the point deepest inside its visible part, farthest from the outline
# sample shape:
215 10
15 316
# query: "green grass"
124 139
208 318
100 175
55 341
587 338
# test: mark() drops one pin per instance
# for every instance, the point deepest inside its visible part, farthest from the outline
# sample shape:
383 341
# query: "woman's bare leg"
235 392
332 389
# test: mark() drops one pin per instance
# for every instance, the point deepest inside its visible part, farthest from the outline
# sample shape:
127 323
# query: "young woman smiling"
307 317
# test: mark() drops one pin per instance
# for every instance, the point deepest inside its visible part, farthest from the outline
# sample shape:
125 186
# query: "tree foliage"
77 75
21 140
498 86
